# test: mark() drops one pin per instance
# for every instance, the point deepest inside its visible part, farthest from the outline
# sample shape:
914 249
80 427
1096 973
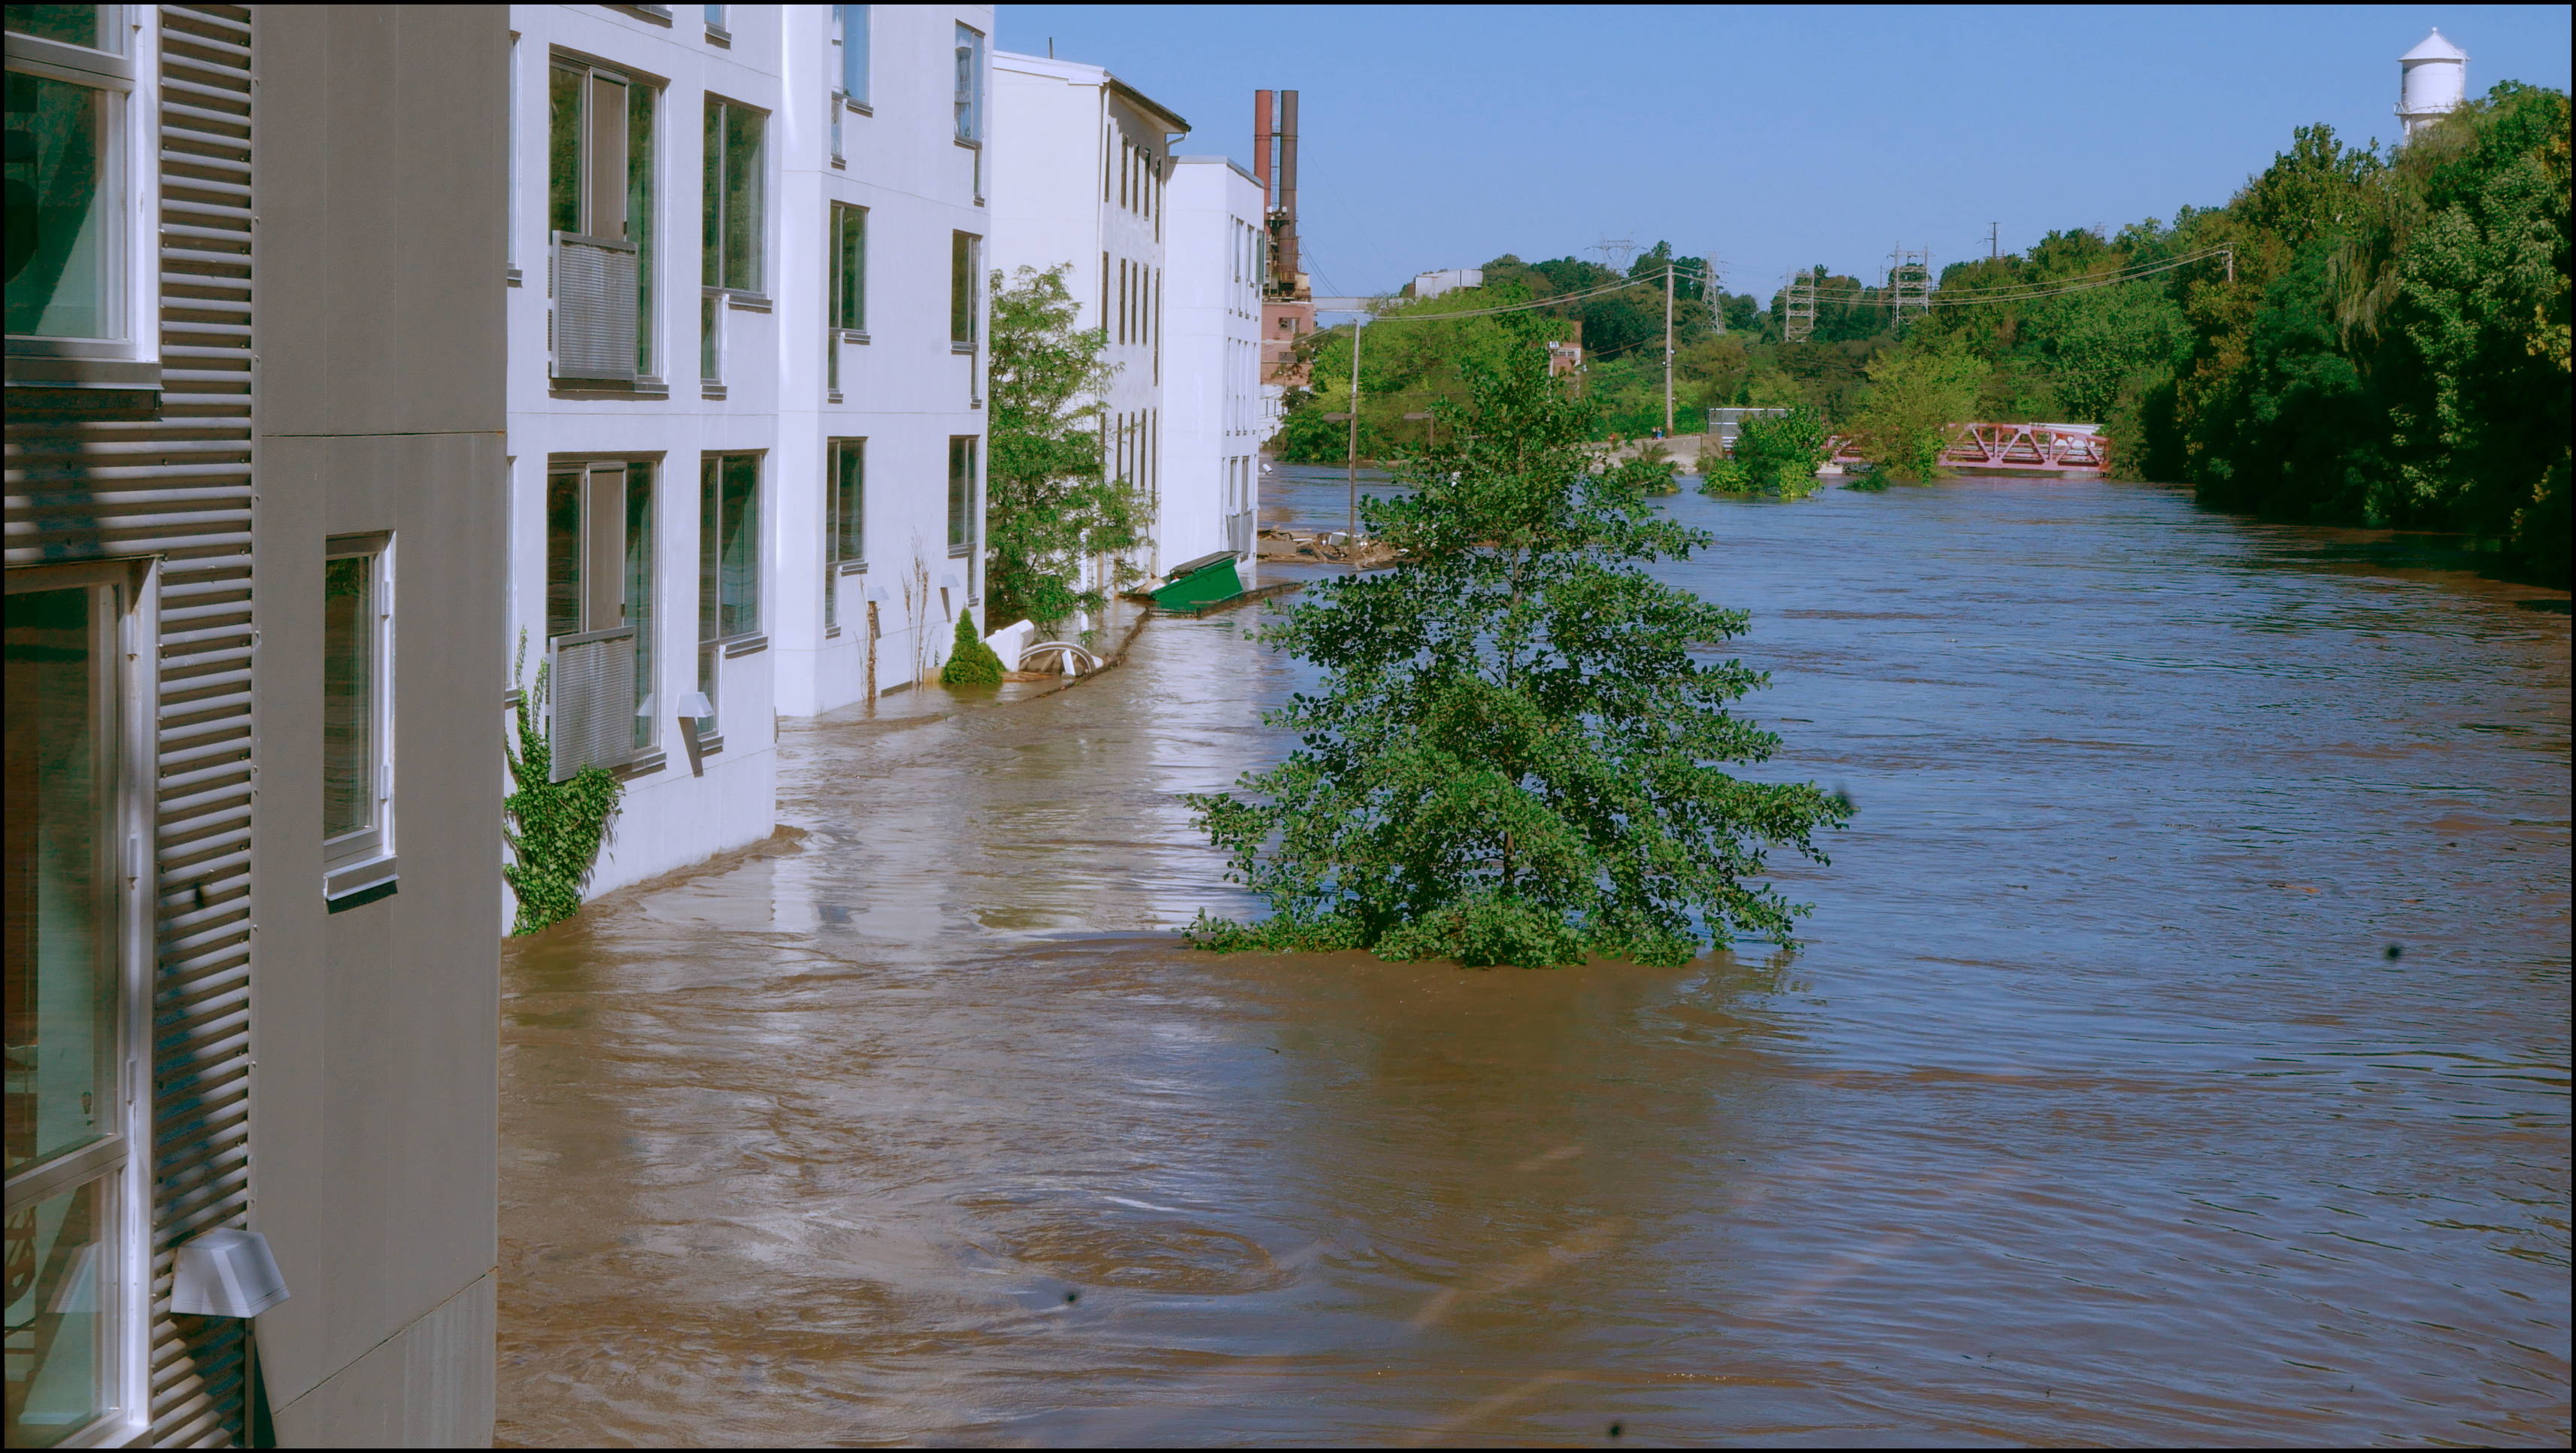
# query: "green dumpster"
1204 581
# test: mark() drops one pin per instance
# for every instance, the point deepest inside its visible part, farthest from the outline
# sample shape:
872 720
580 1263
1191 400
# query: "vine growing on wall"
552 829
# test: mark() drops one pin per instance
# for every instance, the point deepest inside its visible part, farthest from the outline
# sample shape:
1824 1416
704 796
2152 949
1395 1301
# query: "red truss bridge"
2044 449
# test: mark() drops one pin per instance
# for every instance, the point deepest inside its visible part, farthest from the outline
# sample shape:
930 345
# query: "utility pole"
1668 350
1993 251
1358 326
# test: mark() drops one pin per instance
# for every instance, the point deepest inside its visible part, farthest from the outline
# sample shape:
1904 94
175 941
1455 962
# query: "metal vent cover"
593 690
594 309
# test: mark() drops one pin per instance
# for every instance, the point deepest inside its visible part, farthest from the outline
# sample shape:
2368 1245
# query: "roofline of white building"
1081 74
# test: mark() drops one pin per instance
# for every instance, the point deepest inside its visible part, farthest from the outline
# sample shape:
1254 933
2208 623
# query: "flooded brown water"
2178 1054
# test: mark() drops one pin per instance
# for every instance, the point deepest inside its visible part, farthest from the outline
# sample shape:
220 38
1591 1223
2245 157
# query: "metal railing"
595 318
591 686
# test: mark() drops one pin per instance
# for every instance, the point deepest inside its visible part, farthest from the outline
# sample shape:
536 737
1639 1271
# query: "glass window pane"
741 525
850 269
639 592
563 552
710 548
348 695
710 317
57 1356
70 24
961 288
854 52
59 213
62 892
961 494
640 103
850 499
970 84
711 199
742 198
563 151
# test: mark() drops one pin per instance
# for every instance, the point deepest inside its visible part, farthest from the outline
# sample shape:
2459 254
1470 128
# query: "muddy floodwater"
2178 1053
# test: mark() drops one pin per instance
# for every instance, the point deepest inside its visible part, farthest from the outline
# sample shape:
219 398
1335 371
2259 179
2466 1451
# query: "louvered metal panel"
594 309
208 763
180 486
591 687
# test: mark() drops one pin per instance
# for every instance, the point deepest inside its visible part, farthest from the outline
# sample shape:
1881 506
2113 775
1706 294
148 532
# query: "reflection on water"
2179 1054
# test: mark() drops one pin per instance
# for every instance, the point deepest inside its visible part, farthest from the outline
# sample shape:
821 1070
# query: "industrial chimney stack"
1274 165
1287 300
2435 81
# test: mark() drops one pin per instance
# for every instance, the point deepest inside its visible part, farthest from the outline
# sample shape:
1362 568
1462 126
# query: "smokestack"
1288 180
1261 134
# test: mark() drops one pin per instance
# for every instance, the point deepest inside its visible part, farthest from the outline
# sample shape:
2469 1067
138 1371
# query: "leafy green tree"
1916 393
1049 503
1515 756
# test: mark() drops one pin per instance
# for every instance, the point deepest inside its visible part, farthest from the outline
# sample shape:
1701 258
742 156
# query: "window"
68 180
733 196
74 864
965 251
711 339
640 558
599 610
599 207
357 704
970 86
961 495
849 254
850 39
728 546
845 521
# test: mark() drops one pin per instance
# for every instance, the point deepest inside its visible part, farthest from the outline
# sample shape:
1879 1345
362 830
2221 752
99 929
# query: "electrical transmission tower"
1798 321
1909 285
1615 252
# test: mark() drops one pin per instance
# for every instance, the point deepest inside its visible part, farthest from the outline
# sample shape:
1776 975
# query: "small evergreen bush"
971 663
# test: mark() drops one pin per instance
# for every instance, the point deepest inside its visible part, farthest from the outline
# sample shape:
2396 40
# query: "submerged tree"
1774 455
1515 755
1049 503
1916 395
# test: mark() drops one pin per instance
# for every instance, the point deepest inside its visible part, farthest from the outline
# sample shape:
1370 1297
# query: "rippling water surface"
2178 1053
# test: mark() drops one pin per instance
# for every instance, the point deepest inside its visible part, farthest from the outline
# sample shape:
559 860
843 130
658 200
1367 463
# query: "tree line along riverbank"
2360 335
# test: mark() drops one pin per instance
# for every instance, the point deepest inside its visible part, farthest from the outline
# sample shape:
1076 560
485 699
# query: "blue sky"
1440 136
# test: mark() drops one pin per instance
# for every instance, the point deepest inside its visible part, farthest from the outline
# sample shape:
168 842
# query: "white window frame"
355 862
121 1164
130 357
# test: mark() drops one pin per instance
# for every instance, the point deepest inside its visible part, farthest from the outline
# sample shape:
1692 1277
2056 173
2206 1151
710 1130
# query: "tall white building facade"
746 381
1213 400
1082 167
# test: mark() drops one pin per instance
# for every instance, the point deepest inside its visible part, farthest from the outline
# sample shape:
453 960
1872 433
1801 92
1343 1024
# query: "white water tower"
2436 81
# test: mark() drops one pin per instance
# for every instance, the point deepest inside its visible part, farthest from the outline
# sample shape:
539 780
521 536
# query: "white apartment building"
1082 165
1212 394
746 383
